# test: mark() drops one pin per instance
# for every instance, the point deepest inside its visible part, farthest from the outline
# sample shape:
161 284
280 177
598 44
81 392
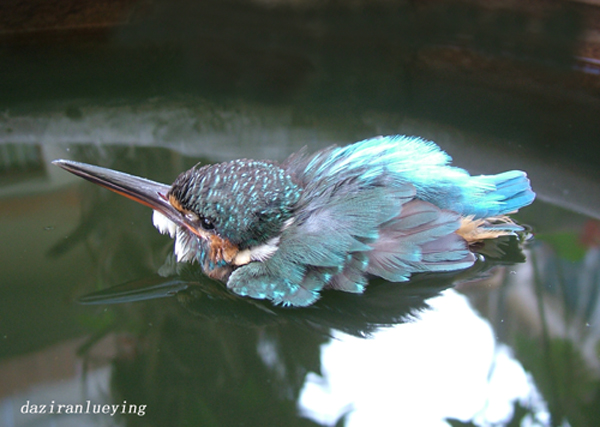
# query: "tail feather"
510 192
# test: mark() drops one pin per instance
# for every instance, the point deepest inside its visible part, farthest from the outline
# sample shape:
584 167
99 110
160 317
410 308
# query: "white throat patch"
184 241
164 224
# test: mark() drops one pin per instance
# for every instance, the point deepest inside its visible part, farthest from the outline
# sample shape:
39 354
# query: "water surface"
512 341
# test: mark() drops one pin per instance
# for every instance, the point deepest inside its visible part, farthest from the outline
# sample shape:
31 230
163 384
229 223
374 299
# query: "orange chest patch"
221 250
218 264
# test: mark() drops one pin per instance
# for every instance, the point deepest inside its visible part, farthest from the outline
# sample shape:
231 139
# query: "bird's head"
239 208
222 216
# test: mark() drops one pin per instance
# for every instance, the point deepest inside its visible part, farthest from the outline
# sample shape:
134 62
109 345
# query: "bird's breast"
218 262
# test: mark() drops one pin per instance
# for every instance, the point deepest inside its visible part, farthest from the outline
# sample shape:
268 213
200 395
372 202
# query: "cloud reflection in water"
459 365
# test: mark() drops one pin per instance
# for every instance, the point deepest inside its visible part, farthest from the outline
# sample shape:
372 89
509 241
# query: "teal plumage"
246 200
421 163
388 206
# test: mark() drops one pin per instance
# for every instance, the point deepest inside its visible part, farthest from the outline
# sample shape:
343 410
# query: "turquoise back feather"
421 163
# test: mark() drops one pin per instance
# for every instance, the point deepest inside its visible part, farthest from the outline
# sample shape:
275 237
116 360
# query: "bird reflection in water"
382 304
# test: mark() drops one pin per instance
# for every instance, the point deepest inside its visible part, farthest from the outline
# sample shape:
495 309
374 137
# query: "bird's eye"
206 223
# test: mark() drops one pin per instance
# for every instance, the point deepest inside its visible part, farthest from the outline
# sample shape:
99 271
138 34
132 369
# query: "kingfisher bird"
389 206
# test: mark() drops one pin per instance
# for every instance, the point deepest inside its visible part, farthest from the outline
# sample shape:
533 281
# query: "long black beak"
150 193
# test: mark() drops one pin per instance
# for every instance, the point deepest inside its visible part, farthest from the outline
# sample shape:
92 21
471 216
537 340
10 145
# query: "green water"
513 341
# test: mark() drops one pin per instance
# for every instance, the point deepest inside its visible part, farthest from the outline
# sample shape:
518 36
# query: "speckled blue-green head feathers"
245 201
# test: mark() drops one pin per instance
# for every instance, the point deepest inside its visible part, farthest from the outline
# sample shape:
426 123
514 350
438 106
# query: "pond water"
514 340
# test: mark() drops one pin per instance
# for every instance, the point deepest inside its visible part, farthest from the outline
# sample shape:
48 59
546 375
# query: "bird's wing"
328 237
354 217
